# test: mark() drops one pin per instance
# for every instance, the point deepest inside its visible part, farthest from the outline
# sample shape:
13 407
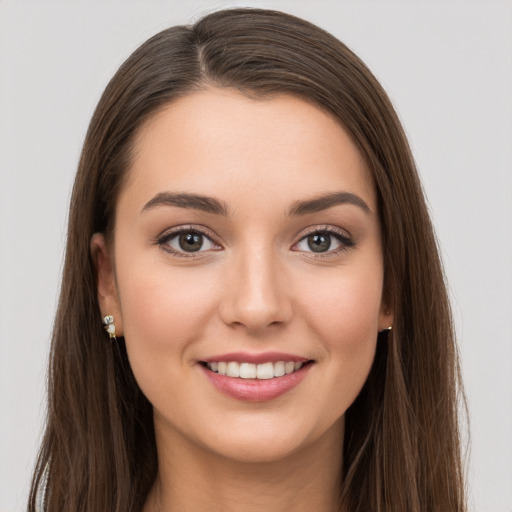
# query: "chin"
265 442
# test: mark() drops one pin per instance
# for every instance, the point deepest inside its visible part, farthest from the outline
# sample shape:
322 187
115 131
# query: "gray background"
447 66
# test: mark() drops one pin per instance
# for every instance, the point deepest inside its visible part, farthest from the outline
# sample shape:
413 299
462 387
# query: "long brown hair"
401 445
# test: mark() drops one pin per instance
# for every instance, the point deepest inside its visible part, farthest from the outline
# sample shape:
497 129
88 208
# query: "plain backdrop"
447 66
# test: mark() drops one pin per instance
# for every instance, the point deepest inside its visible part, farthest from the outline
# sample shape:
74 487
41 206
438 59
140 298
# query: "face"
246 241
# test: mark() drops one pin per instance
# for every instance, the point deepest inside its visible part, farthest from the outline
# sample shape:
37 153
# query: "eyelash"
345 240
164 239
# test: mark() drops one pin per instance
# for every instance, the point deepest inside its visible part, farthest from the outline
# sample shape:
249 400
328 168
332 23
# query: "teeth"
233 370
265 371
248 371
222 368
255 371
279 369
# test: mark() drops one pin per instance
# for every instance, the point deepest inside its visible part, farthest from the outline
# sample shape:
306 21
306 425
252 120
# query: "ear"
386 317
387 312
106 286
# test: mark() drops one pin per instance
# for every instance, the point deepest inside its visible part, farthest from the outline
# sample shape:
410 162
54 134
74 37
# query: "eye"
326 240
185 242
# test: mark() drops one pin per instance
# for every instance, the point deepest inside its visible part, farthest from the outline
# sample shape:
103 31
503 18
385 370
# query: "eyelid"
343 237
326 228
186 227
163 240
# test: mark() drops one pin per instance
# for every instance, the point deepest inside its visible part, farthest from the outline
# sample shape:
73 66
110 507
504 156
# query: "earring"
110 327
387 330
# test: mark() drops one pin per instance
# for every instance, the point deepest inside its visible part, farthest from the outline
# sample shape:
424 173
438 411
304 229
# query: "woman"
248 227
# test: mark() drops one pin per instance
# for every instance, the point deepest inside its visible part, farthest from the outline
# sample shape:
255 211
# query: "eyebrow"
217 207
193 201
325 201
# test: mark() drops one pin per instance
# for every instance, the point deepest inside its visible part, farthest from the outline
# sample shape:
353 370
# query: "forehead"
221 142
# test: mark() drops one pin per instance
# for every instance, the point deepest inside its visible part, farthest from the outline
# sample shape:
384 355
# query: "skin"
257 286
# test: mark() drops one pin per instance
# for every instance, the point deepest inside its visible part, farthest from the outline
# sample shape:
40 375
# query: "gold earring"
387 329
110 327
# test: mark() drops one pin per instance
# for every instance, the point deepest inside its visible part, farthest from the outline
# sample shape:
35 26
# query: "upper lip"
263 357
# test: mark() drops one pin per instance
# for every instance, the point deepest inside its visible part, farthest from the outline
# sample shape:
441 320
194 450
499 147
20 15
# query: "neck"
191 478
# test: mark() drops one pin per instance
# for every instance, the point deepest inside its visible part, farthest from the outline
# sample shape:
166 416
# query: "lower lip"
256 390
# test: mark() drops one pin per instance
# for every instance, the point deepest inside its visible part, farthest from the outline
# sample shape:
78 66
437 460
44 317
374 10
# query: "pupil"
191 242
319 243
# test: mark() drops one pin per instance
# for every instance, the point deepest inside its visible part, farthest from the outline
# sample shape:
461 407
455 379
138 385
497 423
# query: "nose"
256 294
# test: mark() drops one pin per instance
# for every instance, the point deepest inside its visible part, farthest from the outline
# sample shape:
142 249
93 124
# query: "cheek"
343 311
351 303
344 317
163 308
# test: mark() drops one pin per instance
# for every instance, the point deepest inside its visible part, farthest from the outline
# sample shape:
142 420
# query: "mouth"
262 371
256 381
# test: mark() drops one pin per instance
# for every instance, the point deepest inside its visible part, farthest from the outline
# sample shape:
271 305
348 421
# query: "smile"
264 377
262 371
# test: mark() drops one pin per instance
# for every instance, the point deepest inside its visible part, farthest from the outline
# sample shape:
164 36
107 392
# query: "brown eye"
190 241
328 241
186 242
319 242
